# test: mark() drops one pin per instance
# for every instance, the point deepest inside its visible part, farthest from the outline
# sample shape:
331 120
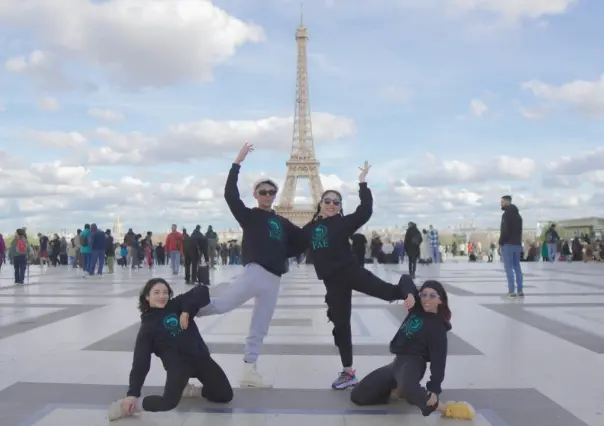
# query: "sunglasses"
430 296
265 192
328 201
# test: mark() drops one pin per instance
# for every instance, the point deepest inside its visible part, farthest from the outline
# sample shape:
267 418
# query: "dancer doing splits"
329 235
268 241
181 349
422 338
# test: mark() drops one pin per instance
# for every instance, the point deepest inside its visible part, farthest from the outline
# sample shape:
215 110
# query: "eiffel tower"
302 163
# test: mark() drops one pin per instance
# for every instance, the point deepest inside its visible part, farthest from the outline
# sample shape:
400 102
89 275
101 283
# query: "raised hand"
247 148
364 170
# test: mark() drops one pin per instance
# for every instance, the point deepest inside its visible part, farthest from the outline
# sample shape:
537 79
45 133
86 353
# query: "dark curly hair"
143 303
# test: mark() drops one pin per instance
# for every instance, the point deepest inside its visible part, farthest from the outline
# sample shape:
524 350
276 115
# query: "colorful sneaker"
459 411
191 391
345 380
116 411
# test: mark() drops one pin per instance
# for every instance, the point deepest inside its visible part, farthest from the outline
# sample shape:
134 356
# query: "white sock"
349 370
139 405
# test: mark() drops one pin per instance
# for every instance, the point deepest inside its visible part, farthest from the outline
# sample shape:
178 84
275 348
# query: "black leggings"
339 303
216 386
404 374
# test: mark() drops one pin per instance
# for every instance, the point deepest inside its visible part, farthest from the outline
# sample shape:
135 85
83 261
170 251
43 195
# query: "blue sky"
432 93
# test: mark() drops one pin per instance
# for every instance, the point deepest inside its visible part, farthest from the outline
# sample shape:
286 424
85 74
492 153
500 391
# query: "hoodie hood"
512 208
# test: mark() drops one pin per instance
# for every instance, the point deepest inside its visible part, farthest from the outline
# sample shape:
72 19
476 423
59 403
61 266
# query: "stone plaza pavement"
66 350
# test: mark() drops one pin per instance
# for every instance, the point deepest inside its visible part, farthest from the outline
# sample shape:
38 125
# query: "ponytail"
315 217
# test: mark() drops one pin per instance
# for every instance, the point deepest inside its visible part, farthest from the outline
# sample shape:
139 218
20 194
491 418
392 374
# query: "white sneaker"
116 411
191 391
251 378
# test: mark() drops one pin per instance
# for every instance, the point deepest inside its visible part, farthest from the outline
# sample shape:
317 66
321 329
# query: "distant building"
592 226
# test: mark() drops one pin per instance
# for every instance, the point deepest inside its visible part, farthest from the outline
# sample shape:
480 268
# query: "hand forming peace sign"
364 170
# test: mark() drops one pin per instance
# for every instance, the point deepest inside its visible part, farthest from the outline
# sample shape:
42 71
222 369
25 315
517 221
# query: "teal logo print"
172 324
319 237
412 325
274 230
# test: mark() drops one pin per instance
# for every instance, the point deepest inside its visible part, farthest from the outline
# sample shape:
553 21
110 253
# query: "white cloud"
194 140
45 69
48 104
106 114
478 108
514 9
578 164
64 140
135 43
534 114
54 195
437 173
586 97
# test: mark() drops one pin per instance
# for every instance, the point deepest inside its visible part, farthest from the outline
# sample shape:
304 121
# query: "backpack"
83 240
21 246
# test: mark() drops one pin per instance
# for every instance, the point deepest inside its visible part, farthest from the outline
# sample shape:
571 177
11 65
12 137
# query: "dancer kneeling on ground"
328 236
422 338
181 349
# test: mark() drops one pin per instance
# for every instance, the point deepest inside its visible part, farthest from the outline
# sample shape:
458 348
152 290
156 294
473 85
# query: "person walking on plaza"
175 248
552 238
510 244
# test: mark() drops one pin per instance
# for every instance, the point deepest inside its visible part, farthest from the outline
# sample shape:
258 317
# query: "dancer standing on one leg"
328 235
180 347
268 241
422 338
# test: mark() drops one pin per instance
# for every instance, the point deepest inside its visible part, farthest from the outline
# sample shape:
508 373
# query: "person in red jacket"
174 249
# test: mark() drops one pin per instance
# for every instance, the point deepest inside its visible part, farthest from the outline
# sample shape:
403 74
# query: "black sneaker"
511 295
521 294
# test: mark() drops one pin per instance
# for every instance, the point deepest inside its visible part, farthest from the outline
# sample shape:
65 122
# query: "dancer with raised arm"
328 236
180 347
422 338
268 241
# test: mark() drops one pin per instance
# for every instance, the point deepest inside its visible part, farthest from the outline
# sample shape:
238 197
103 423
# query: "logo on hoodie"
319 237
274 230
172 324
412 325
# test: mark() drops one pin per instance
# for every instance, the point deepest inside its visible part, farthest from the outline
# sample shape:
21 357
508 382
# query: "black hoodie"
160 334
511 226
329 238
268 239
423 334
